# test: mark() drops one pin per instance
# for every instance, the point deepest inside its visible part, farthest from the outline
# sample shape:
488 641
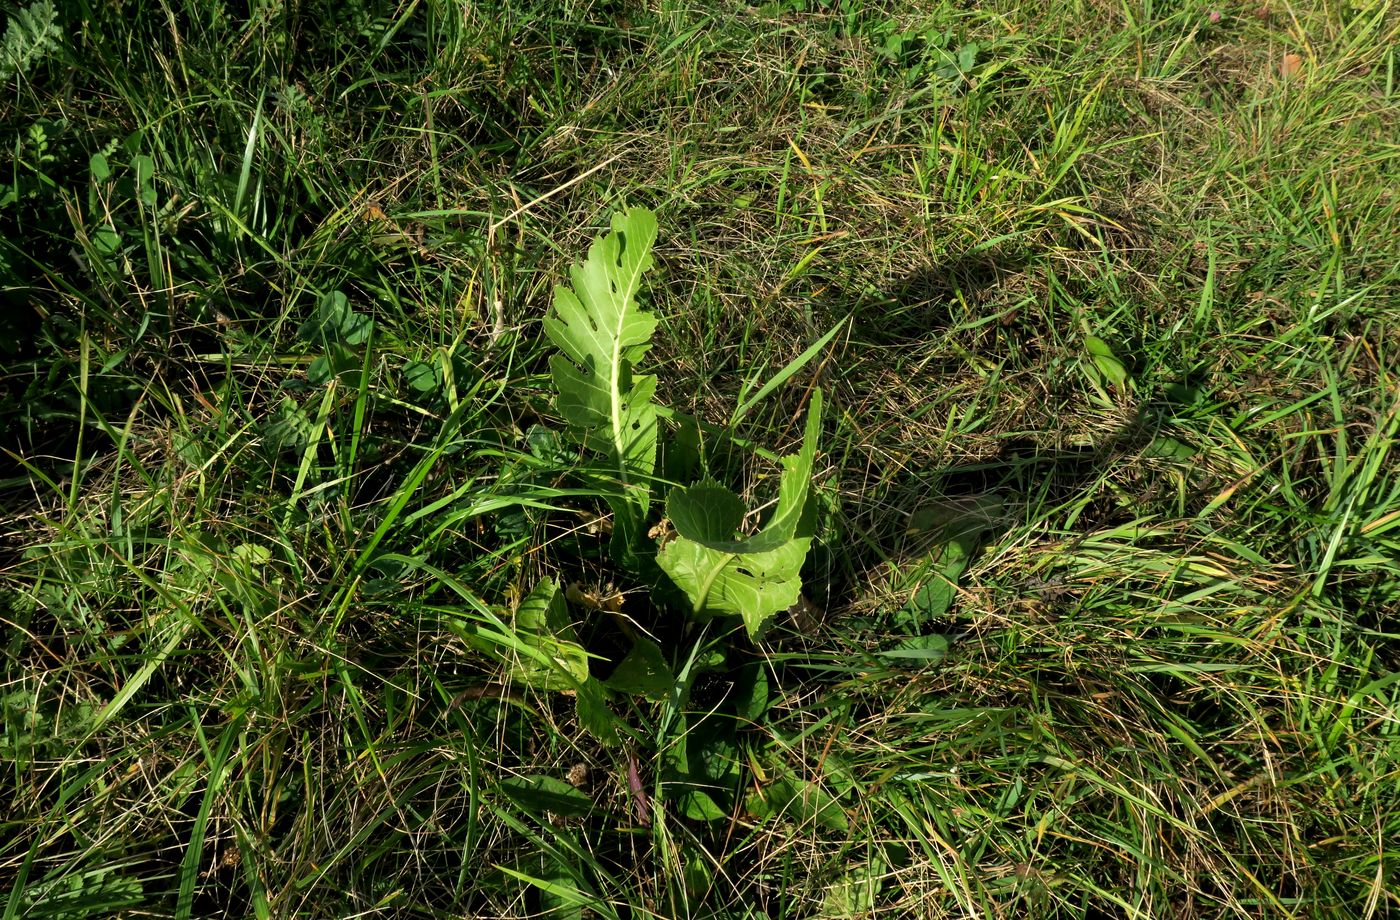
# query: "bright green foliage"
602 333
1090 629
542 623
31 33
1106 366
755 577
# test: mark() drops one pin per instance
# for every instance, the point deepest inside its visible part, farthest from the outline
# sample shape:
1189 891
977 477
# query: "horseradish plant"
603 334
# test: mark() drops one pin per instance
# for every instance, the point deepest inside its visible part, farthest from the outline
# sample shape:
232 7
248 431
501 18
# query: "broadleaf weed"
603 333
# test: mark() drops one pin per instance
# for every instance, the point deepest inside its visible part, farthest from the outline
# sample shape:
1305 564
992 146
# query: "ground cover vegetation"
623 459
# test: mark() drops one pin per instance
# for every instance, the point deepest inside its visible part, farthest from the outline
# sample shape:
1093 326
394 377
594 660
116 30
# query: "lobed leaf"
602 334
755 586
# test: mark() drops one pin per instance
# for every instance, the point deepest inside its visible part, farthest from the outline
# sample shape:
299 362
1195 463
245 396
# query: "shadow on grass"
936 522
922 301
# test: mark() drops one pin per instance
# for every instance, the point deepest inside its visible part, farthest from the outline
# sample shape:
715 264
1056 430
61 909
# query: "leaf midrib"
616 365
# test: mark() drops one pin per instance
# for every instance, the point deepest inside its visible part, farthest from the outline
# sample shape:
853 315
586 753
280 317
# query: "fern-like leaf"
31 33
602 334
754 577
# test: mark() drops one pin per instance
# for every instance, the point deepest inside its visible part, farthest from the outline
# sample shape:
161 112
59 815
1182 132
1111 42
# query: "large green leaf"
602 334
706 513
754 586
724 574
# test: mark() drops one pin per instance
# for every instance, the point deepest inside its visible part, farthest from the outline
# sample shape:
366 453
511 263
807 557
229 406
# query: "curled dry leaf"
595 597
662 531
641 803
